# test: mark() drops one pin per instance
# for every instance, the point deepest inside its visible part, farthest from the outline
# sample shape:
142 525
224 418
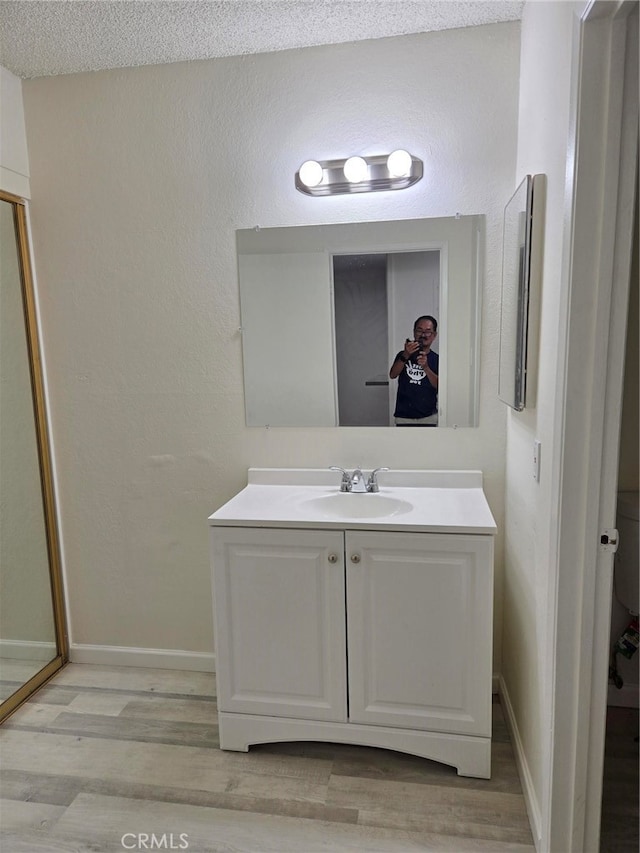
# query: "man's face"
423 333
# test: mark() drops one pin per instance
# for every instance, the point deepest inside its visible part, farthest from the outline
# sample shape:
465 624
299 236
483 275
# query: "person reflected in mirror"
416 369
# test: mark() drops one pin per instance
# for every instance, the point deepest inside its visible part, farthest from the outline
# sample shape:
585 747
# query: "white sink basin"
309 498
358 505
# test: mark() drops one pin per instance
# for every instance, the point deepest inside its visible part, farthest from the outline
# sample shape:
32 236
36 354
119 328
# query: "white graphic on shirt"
415 373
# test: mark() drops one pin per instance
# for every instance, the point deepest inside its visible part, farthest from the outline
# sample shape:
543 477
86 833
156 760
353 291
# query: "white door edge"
588 440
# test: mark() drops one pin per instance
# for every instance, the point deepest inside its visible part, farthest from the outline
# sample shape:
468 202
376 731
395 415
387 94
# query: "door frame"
602 157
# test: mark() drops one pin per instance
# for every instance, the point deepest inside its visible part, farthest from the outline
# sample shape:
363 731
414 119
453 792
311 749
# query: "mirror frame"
521 258
12 702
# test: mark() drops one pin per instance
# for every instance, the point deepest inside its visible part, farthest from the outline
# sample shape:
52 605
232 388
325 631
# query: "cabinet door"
280 622
419 622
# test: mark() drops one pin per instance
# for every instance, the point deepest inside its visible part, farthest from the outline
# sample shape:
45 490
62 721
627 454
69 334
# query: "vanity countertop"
418 501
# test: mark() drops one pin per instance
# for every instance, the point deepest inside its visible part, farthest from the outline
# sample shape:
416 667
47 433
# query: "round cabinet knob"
355 558
333 558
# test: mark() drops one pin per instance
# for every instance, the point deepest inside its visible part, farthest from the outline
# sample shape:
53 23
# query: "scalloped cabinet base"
471 756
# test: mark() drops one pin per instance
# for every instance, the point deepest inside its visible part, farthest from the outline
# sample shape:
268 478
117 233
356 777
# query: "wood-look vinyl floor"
109 759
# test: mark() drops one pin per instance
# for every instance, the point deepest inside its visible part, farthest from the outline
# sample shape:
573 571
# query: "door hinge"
609 540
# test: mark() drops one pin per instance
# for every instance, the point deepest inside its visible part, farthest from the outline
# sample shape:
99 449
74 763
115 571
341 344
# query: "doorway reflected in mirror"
377 298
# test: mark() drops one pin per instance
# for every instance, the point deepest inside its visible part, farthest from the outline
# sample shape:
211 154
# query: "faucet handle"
345 482
372 485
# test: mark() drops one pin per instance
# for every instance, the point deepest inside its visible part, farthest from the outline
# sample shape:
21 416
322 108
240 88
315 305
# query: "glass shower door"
32 641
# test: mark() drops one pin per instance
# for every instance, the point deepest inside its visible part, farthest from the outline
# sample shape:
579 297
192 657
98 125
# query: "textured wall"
139 179
528 594
14 159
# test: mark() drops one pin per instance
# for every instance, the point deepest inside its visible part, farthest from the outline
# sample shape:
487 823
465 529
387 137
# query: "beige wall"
140 178
543 134
14 158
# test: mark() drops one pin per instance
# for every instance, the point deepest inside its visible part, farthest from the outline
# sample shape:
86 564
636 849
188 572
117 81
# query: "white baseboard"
27 650
152 658
159 659
531 801
625 697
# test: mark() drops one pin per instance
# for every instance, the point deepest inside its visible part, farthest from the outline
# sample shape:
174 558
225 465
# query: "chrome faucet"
355 482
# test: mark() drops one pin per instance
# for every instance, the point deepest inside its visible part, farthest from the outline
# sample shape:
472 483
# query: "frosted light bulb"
399 163
356 170
310 173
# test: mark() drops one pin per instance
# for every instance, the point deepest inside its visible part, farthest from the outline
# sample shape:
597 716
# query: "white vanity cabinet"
419 627
366 636
280 622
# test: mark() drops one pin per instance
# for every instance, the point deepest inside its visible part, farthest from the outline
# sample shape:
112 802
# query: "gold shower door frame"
12 702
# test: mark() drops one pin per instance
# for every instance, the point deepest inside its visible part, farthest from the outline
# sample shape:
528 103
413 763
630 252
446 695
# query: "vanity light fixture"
394 171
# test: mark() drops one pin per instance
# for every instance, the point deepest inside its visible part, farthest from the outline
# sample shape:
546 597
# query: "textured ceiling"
53 37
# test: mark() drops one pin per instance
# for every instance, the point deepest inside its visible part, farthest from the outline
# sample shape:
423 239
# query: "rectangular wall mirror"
517 319
326 308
